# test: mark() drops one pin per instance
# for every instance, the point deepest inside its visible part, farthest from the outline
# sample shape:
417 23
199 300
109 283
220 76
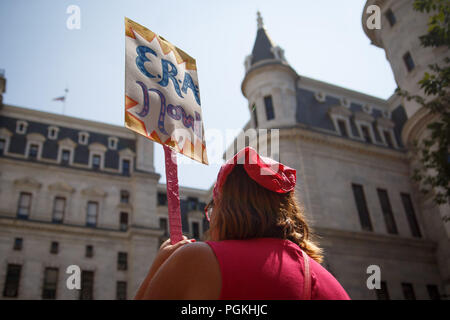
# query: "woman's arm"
191 272
163 254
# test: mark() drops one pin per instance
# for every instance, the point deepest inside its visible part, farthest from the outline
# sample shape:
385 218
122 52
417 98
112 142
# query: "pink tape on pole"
173 197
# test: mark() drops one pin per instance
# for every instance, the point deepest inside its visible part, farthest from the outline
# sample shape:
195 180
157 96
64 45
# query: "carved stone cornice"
94 192
61 186
27 182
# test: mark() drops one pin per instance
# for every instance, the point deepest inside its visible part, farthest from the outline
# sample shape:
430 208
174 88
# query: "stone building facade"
354 162
77 192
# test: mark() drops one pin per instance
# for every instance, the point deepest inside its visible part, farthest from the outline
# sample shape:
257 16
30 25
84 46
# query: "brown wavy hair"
244 210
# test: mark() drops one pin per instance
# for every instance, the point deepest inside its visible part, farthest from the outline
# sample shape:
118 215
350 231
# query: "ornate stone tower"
401 27
269 83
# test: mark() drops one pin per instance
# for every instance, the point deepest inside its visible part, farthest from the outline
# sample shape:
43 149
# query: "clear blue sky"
322 39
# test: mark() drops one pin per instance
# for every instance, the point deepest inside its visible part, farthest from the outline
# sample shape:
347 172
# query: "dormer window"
83 138
112 143
53 133
388 138
21 127
33 151
342 124
96 161
65 157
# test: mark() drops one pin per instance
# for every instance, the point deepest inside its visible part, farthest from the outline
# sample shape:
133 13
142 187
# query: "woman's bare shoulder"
195 270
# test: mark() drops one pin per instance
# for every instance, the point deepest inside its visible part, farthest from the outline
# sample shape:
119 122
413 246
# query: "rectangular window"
18 243
408 291
124 196
433 292
87 285
65 157
255 115
54 247
162 199
361 205
59 206
192 203
121 290
388 138
270 114
123 221
126 167
163 225
89 251
23 209
122 261
342 127
11 289
390 17
387 211
382 293
195 230
409 62
366 134
410 215
33 151
2 146
92 212
50 283
96 159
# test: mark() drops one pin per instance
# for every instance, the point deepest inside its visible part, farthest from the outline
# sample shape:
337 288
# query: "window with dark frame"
366 134
122 261
363 212
409 62
54 247
18 244
408 291
50 283
124 196
123 221
2 146
386 208
433 292
162 199
96 159
59 207
87 285
24 205
195 230
92 213
342 127
12 281
410 215
163 225
65 157
33 151
382 293
192 203
126 167
121 290
388 138
89 251
390 16
268 103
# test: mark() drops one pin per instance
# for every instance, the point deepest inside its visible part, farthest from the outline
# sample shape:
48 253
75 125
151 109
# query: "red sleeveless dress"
272 269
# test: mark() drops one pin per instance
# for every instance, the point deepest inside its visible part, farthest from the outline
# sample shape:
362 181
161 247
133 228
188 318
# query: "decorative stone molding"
345 102
320 96
5 134
339 111
97 147
61 186
27 182
362 116
367 108
35 139
67 142
94 192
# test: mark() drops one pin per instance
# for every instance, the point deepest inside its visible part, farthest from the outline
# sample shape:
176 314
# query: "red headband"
266 172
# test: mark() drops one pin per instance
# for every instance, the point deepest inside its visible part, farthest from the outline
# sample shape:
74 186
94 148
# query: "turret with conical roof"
269 83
